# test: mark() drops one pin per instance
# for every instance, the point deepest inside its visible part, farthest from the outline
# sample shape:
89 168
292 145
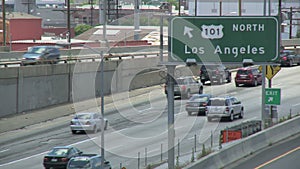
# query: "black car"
289 58
197 103
59 157
41 54
215 74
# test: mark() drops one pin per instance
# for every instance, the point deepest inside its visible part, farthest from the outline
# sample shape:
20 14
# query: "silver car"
88 161
224 107
87 121
186 86
41 54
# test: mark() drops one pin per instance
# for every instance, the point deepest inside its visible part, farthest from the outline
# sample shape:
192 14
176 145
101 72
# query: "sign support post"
171 130
263 94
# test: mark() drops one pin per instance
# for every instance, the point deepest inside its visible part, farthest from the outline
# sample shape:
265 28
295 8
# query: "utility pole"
220 8
291 22
136 19
4 22
92 9
240 7
69 23
196 7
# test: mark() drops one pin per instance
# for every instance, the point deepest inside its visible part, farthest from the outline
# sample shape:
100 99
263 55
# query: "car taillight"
250 76
284 58
64 159
204 104
46 159
227 109
88 123
183 87
217 72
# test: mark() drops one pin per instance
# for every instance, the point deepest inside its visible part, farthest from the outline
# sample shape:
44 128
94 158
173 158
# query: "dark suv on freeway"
215 74
289 58
248 76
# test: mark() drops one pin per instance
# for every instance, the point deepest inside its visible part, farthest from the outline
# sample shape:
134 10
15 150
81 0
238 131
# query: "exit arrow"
270 99
187 30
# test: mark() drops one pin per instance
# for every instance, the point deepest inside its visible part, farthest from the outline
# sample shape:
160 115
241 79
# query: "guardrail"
91 57
240 131
249 145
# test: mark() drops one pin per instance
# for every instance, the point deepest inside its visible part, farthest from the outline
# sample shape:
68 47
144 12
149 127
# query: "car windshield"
59 152
243 72
83 116
210 67
199 98
217 102
79 163
37 50
180 81
288 52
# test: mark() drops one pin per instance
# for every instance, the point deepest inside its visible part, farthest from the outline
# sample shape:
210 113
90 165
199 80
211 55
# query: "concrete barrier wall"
32 87
73 52
248 145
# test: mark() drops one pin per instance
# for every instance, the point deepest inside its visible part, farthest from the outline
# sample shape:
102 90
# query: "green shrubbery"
79 29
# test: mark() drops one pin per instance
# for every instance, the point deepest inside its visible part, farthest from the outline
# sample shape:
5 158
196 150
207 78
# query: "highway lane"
145 126
280 155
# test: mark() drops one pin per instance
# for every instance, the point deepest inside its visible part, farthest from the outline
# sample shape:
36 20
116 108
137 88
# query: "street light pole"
102 108
101 93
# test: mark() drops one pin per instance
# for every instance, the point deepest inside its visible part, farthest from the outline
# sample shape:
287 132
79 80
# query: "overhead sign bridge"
224 39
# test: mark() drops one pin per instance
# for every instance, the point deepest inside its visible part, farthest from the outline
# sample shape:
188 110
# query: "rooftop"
19 15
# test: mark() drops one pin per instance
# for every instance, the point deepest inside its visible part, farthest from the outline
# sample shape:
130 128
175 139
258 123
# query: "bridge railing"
85 58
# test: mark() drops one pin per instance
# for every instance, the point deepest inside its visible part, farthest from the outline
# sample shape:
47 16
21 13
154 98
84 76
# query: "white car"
87 121
224 107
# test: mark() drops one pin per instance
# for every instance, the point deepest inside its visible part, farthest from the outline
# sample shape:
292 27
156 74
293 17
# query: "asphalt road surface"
141 131
280 155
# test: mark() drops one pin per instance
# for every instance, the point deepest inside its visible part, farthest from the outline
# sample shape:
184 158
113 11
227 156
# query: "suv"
224 107
289 58
41 54
248 76
185 86
87 161
215 74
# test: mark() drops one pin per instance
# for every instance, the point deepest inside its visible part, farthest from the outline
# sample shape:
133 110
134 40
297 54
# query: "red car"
248 76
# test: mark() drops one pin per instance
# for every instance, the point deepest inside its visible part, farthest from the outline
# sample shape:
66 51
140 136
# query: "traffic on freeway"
136 136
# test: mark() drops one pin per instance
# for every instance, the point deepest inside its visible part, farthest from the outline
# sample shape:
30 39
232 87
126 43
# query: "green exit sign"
272 96
224 39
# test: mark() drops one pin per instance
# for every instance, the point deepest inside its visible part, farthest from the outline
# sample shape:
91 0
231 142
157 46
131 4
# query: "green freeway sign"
224 39
272 96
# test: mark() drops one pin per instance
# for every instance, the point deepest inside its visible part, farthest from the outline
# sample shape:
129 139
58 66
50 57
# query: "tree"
173 3
79 29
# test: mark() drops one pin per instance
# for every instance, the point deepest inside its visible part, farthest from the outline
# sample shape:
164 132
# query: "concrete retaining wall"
33 87
249 145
